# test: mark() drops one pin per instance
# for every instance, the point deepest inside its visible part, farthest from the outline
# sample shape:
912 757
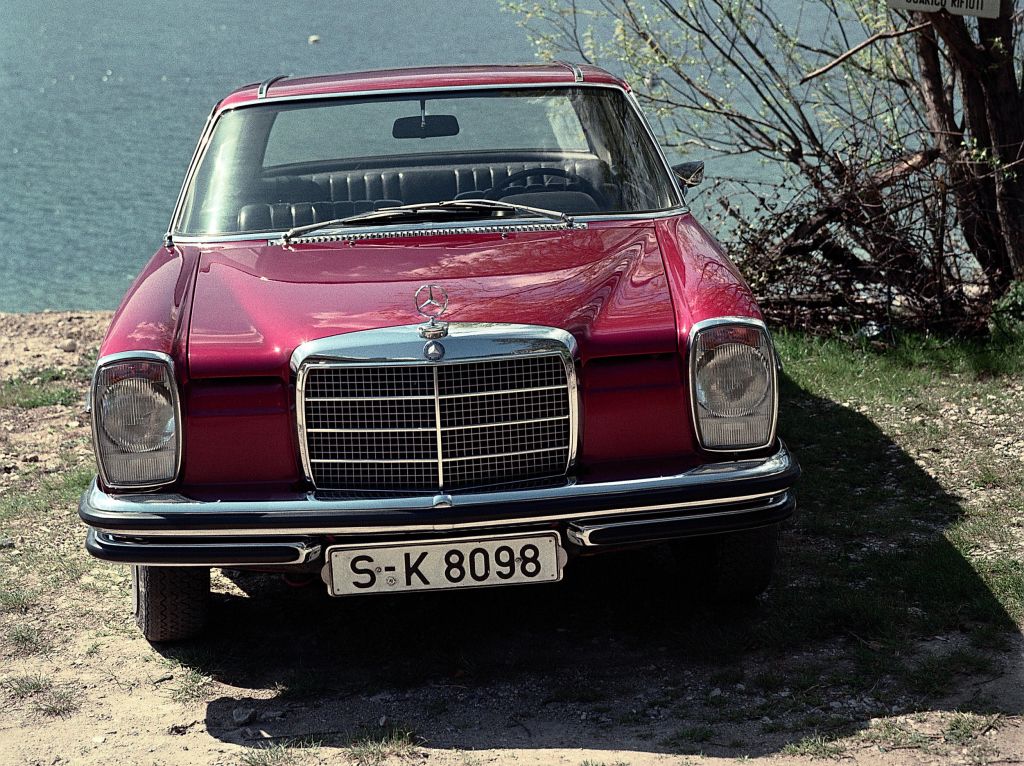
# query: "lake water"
103 103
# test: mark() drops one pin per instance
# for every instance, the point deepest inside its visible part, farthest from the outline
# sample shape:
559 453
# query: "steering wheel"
500 188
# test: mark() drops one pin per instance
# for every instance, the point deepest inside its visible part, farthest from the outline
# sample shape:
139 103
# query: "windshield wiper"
424 209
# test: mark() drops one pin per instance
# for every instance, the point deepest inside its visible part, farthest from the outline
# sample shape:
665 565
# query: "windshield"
276 166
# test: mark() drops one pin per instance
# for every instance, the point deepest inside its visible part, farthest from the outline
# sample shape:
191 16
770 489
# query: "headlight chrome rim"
161 374
770 362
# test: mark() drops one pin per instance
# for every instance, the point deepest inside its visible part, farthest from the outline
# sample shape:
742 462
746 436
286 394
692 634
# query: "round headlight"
732 380
138 415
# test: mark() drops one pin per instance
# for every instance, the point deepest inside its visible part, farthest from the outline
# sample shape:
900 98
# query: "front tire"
171 603
733 567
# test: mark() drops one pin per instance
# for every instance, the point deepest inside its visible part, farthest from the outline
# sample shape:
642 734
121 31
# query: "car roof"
436 77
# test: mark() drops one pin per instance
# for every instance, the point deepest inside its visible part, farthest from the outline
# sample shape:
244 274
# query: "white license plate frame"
389 564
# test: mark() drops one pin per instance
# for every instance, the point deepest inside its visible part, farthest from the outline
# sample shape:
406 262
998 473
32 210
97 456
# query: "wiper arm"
422 208
479 203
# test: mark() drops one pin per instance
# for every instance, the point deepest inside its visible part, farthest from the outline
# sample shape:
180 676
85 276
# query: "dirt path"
616 665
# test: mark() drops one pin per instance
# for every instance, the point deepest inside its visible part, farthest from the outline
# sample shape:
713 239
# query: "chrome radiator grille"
443 426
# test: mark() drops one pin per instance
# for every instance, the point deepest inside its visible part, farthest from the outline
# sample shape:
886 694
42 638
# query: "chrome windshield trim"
200 151
204 138
274 237
672 177
728 478
538 85
403 231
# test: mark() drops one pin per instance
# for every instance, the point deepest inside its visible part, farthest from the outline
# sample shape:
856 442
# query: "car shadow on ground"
873 612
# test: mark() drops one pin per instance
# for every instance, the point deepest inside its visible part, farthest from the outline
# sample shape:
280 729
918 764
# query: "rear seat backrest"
281 203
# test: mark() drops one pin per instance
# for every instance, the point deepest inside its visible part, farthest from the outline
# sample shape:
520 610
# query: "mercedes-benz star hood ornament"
431 302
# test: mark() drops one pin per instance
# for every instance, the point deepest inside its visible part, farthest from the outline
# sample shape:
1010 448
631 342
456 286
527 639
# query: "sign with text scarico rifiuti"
987 8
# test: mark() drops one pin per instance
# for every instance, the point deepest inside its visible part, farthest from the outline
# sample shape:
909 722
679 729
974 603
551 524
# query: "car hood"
255 302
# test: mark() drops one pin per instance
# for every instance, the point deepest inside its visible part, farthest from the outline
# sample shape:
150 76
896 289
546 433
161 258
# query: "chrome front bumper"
175 529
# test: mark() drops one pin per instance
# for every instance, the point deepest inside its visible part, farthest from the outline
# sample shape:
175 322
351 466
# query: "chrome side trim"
705 324
94 412
261 93
727 479
466 342
581 532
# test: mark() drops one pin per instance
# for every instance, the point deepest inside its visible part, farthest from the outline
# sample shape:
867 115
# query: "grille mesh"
376 428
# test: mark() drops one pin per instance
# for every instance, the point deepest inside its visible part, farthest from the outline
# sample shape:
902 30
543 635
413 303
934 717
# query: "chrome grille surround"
374 414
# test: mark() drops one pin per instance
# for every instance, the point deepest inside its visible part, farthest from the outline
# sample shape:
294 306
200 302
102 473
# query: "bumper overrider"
176 530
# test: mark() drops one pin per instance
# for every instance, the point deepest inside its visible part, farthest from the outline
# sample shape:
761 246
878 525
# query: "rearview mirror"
426 126
689 173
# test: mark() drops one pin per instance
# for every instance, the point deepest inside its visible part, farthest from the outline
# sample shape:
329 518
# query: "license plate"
444 564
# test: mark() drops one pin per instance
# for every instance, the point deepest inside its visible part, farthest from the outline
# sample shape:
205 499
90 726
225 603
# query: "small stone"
243 715
31 458
99 740
273 715
6 542
69 346
716 692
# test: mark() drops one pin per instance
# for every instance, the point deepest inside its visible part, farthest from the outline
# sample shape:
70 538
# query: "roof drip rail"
265 85
577 73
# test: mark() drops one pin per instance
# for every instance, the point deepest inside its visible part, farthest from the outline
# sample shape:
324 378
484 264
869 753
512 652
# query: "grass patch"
852 370
26 640
21 687
888 734
14 599
372 747
963 728
40 388
815 746
190 685
57 702
279 754
59 489
936 675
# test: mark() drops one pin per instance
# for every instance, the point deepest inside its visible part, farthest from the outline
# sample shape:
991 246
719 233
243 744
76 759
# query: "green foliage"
1007 320
41 388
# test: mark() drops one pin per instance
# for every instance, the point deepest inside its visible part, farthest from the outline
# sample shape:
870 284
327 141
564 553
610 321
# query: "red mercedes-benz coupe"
427 329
